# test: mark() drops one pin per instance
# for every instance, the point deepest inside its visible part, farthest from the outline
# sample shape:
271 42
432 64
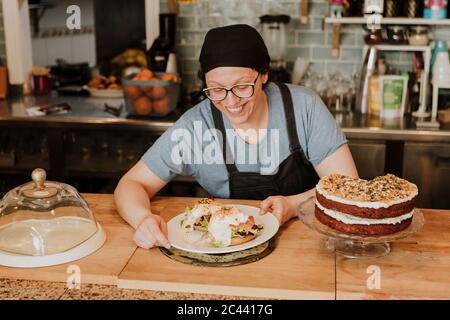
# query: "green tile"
186 51
391 57
321 53
190 80
163 6
316 23
192 37
343 68
351 54
317 67
318 9
346 38
186 9
293 52
310 38
296 25
401 67
190 66
186 23
291 37
406 57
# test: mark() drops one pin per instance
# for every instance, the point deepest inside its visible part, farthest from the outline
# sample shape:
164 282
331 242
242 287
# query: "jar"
396 35
374 36
418 36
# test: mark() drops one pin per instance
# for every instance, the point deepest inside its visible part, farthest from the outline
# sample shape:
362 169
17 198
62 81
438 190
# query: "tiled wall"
308 41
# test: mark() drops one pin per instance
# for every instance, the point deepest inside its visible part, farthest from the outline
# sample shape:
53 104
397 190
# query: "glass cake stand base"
356 246
354 249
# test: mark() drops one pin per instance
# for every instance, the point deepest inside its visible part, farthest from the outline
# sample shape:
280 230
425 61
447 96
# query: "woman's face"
238 110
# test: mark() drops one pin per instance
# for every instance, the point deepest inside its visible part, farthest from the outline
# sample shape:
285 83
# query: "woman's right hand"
151 232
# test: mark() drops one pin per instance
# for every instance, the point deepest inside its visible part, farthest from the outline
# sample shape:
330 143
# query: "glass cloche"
46 223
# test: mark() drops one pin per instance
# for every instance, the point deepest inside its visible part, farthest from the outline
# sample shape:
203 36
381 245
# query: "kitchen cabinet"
428 166
369 157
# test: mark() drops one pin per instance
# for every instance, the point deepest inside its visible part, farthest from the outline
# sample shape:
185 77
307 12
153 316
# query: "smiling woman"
240 117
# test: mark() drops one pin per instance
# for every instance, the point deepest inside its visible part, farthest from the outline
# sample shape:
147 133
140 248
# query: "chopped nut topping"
383 188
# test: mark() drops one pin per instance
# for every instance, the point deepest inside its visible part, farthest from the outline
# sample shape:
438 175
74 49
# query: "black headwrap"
238 45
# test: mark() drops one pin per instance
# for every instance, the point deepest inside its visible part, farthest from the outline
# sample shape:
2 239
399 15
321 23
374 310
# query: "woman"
279 139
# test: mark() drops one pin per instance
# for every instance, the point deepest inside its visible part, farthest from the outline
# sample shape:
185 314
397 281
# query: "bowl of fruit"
105 87
151 93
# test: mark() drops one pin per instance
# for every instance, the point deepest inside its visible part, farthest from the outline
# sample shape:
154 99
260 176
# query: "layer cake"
376 207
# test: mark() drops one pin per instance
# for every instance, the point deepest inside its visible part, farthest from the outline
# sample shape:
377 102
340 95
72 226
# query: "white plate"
193 241
105 93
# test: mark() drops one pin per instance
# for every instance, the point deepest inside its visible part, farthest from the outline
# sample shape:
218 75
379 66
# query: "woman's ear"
264 77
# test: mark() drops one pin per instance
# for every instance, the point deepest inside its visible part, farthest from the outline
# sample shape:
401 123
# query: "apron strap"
218 123
294 144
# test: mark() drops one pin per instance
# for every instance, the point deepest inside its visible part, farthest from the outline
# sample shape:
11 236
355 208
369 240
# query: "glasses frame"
230 89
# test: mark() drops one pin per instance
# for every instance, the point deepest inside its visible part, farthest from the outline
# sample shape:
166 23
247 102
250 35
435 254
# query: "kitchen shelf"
404 21
426 51
337 22
403 47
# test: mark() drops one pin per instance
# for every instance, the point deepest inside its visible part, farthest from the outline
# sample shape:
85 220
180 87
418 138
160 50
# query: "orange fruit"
147 90
161 106
142 106
146 73
132 92
158 92
168 76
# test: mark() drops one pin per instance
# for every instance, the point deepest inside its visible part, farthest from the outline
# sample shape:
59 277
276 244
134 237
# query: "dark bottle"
158 54
355 8
393 8
413 8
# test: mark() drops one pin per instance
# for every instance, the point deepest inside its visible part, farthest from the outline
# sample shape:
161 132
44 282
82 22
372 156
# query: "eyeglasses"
240 90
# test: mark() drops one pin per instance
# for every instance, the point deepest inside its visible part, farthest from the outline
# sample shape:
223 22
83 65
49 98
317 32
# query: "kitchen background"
93 156
310 41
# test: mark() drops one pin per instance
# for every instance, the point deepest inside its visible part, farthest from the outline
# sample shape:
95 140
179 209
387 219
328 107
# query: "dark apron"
295 174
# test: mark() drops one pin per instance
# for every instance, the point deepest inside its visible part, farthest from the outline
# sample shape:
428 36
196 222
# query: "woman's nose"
231 99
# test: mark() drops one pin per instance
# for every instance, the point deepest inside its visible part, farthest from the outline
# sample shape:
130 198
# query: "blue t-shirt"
190 147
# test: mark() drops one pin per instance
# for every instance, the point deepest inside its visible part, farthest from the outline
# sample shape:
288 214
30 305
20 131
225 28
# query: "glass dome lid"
42 218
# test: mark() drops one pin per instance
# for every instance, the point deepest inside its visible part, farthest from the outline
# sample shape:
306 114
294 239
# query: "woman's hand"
151 232
281 207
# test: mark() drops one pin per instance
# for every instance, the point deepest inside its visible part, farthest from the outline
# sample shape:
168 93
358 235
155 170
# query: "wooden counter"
298 268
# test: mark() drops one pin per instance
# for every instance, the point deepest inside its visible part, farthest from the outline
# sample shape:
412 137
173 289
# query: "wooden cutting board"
101 267
298 268
416 268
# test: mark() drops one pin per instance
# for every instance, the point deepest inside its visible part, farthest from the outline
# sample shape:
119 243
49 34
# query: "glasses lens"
243 91
216 93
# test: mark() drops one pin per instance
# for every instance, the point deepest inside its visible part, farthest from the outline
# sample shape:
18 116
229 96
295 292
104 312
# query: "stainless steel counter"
378 147
88 111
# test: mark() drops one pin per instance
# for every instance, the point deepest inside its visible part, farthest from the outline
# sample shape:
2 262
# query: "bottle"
435 9
441 64
392 8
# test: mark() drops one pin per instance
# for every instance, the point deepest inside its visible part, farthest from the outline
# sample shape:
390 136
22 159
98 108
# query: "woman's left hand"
281 207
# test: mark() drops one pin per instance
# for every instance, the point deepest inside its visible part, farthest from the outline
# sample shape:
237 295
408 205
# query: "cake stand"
355 246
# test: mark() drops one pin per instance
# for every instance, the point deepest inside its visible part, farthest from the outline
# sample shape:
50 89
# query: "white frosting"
219 226
365 204
349 219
